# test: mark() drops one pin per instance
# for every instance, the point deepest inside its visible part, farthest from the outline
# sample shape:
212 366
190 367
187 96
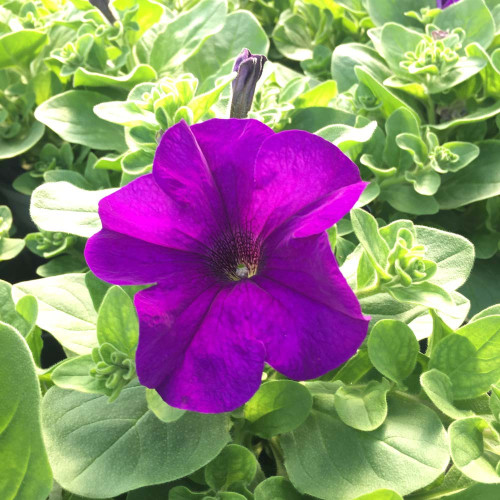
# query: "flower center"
235 255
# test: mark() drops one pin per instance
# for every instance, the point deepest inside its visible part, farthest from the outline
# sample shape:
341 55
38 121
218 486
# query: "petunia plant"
255 251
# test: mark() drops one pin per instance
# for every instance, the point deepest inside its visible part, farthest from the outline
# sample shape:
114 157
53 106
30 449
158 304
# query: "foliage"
411 93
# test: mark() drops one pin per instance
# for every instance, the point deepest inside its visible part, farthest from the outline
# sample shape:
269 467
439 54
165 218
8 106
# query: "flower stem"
368 291
431 113
278 457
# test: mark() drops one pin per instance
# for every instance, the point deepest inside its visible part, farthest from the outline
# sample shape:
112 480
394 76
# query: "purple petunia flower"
231 228
442 4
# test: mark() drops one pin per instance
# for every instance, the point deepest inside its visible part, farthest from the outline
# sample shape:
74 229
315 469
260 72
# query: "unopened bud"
249 68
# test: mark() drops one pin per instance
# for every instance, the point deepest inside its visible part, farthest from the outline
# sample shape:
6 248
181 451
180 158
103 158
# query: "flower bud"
113 368
249 68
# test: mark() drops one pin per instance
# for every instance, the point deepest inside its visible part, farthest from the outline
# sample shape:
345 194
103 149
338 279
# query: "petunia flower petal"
182 171
198 348
302 182
124 260
313 322
230 148
144 211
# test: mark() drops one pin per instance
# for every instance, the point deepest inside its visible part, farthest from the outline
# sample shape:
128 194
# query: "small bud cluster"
442 155
168 100
74 55
435 54
113 367
16 104
406 261
365 100
49 245
52 157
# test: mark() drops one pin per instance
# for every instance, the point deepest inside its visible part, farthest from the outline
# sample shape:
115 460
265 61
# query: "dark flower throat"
236 255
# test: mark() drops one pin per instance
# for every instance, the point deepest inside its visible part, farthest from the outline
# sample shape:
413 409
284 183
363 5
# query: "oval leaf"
98 449
26 472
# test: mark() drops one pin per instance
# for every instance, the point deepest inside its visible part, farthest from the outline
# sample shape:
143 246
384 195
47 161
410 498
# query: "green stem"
368 291
392 181
278 456
431 112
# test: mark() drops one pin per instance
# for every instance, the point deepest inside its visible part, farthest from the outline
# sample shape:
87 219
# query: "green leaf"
63 207
366 275
320 95
117 321
438 387
162 410
71 116
400 122
491 72
183 493
292 38
381 495
157 491
14 147
478 181
315 118
235 464
472 16
27 308
349 55
20 47
489 311
363 407
383 11
278 406
467 445
414 145
424 182
8 312
183 36
476 492
390 101
426 294
345 137
481 114
366 229
453 254
65 309
440 330
328 459
393 349
471 358
26 472
355 368
395 41
141 73
10 248
74 374
217 54
201 104
466 153
147 14
100 449
404 198
277 488
126 113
